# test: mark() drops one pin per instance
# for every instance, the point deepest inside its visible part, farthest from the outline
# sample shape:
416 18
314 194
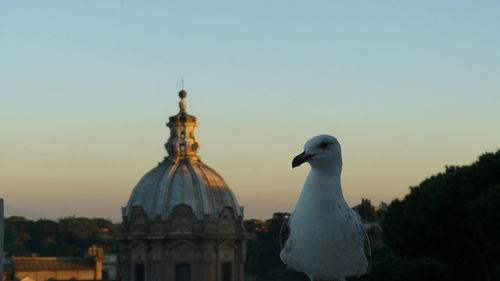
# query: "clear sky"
87 86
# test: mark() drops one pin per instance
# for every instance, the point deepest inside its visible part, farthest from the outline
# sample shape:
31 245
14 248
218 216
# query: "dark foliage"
367 211
69 236
389 267
263 249
452 217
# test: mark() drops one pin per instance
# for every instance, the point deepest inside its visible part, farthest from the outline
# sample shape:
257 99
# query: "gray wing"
368 250
285 242
367 247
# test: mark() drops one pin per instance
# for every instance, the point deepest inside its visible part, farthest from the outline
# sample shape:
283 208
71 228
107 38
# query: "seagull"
326 239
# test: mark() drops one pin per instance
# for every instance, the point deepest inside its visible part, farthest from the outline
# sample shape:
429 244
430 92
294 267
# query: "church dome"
182 178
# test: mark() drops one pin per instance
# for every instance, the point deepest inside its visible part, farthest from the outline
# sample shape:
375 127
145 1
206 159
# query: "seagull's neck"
327 182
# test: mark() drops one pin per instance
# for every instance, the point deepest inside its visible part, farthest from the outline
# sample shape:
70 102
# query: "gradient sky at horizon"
87 86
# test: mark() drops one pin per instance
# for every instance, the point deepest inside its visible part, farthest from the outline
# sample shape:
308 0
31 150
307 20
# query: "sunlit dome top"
182 178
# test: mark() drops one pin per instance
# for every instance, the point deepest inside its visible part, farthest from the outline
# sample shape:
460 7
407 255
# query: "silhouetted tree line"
65 237
367 211
370 213
450 223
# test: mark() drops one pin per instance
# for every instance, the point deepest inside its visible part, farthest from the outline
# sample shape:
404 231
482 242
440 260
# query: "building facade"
57 268
182 222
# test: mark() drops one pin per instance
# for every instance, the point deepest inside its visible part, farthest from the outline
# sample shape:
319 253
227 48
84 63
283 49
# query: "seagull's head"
321 152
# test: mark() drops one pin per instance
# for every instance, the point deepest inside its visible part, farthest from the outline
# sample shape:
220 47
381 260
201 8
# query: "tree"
263 249
453 217
46 232
367 210
69 236
382 207
17 234
389 267
270 242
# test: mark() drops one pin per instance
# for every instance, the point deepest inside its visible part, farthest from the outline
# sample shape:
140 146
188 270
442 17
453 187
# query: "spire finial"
182 143
182 82
182 103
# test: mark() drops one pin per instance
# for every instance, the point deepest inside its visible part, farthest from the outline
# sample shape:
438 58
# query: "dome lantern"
182 142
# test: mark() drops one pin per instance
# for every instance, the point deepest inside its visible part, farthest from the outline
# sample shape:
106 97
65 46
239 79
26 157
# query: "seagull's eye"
324 145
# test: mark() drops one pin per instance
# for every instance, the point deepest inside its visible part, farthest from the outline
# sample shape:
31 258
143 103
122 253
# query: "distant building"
1 240
55 268
182 222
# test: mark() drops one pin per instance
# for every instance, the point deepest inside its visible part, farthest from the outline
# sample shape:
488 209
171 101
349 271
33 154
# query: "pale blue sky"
86 87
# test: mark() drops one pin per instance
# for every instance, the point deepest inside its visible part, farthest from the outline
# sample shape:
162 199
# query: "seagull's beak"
299 159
